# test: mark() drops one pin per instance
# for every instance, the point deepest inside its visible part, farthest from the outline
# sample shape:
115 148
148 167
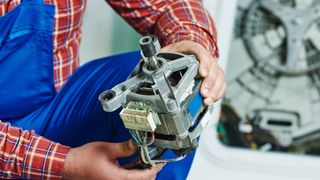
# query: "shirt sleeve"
23 154
170 20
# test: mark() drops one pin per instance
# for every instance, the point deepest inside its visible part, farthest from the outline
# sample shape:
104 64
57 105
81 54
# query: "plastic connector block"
138 116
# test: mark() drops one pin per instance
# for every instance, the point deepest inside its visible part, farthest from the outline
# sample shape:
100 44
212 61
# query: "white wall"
105 33
97 31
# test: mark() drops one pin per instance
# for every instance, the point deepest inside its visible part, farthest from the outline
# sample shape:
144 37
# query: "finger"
145 174
208 101
205 64
119 150
160 166
205 59
218 85
208 83
222 91
132 164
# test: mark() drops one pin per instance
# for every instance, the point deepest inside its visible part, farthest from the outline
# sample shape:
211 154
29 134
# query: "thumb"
124 149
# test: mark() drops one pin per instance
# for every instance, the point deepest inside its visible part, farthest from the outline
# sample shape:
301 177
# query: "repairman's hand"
214 85
99 161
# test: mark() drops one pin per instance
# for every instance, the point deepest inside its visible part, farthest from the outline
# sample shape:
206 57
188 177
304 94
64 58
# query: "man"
70 115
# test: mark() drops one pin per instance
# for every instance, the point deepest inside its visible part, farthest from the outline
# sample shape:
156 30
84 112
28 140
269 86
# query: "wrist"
69 166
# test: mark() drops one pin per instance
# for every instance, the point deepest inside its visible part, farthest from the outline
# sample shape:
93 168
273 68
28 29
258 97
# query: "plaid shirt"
23 153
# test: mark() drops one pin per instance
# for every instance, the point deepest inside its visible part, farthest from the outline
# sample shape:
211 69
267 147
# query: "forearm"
172 21
23 154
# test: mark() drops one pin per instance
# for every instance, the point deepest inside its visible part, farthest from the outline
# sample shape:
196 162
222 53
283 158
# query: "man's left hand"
214 86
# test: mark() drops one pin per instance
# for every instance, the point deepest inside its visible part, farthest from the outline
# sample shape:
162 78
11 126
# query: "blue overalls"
74 115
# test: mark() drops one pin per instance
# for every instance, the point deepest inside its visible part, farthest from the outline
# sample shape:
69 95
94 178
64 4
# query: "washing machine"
268 124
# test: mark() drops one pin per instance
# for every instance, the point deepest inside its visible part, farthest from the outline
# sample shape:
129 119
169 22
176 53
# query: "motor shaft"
149 48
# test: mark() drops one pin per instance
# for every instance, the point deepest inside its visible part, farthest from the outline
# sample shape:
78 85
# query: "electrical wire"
135 138
151 140
143 142
138 135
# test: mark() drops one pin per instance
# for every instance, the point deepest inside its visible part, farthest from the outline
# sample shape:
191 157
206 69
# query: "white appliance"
215 160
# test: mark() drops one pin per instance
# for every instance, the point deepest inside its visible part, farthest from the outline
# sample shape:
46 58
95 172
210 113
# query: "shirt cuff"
200 37
44 159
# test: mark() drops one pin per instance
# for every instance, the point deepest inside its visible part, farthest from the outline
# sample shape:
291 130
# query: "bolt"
297 21
171 105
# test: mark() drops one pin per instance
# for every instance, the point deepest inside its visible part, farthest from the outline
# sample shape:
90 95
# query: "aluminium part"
162 105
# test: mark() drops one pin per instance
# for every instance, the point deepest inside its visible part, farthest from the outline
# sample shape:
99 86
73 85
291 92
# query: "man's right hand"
99 161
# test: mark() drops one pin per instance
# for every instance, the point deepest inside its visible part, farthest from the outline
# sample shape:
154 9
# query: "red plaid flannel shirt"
23 153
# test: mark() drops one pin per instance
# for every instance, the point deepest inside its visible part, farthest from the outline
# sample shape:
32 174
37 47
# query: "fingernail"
205 92
205 71
208 101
